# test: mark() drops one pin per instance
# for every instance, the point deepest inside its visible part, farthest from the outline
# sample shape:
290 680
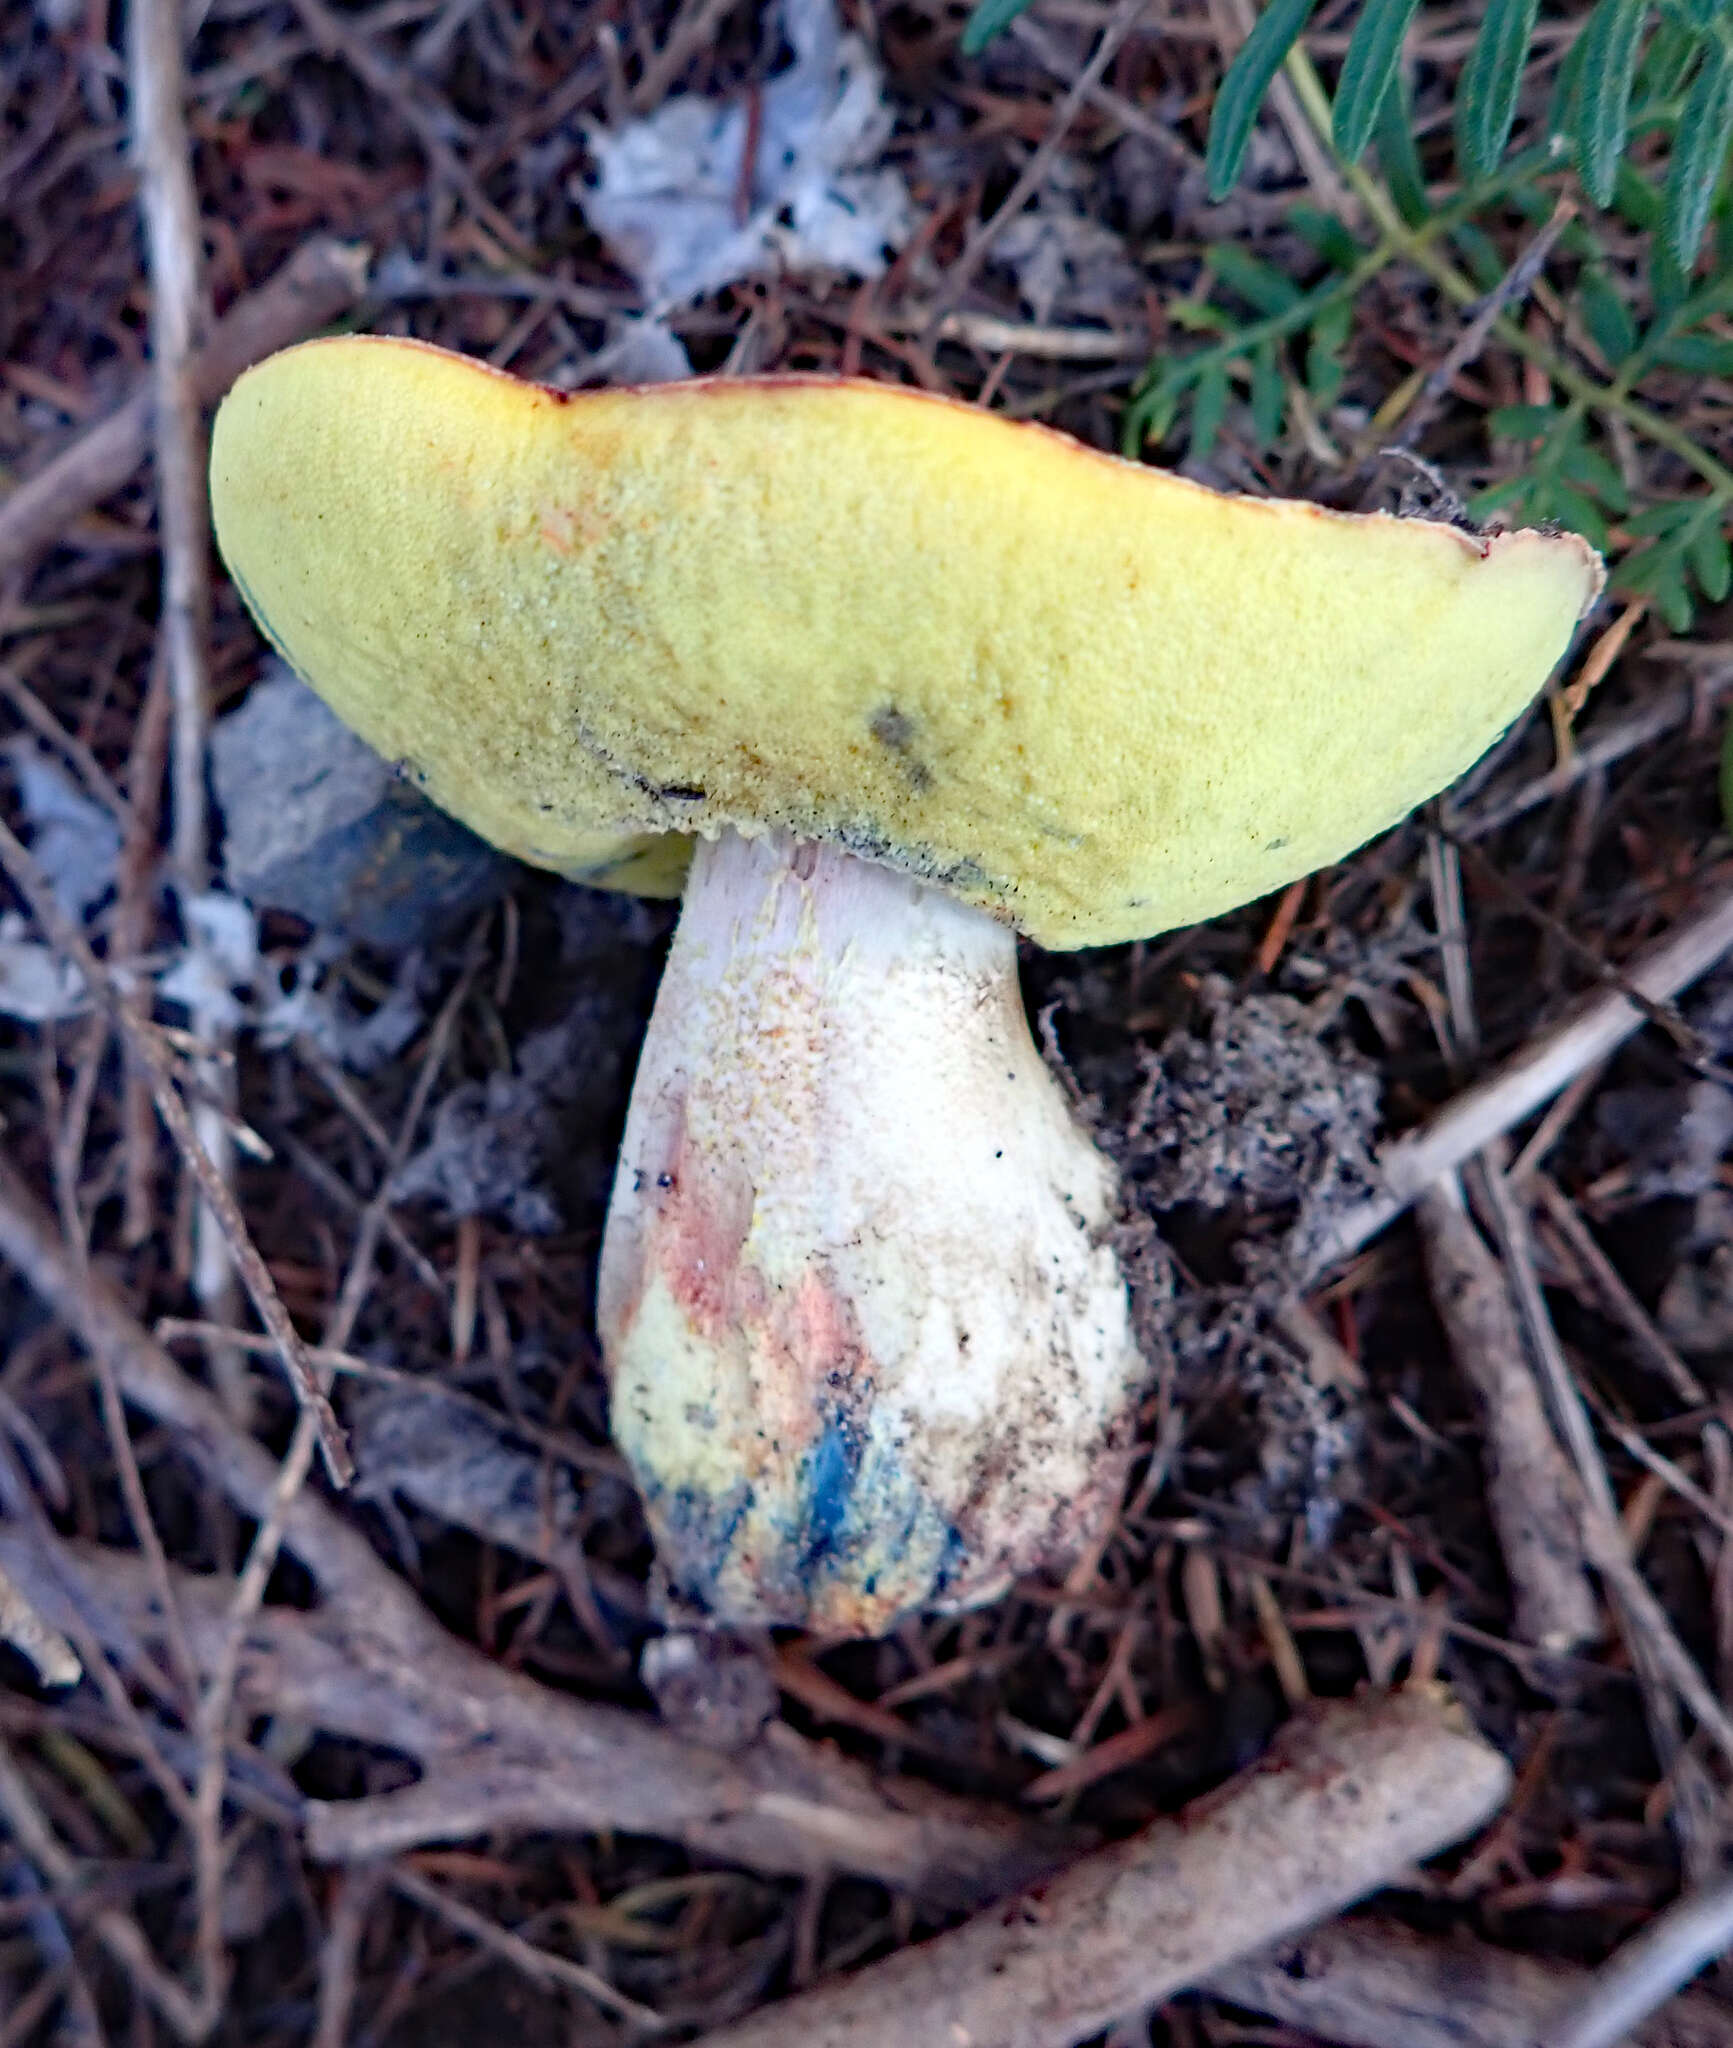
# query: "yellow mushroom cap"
1091 697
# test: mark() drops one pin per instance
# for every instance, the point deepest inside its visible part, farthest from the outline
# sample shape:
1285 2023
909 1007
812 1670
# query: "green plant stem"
1293 319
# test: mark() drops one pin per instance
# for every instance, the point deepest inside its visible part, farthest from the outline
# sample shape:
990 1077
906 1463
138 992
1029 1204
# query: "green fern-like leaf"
1702 15
1611 46
1398 155
1209 404
1259 283
1710 559
1368 72
1700 148
1242 90
1269 395
1607 317
1491 79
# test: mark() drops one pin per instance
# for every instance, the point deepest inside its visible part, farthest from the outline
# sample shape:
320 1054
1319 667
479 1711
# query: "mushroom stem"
869 1346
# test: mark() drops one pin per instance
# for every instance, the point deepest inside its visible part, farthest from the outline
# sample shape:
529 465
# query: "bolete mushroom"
905 680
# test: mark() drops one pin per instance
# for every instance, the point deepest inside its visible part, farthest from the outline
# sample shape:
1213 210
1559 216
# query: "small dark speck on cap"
895 732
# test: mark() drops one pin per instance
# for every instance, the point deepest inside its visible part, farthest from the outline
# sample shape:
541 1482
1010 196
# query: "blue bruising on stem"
699 1531
832 1469
952 1559
853 1524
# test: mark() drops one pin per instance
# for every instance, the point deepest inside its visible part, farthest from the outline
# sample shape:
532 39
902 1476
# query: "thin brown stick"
217 1700
339 1953
1611 740
129 936
178 314
1515 285
144 1045
537 1964
1348 1797
562 1444
370 1661
316 284
192 2019
68 1152
1642 1619
1656 1353
46 726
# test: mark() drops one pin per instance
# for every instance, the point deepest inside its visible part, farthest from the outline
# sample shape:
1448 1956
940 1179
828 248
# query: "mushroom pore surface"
869 1348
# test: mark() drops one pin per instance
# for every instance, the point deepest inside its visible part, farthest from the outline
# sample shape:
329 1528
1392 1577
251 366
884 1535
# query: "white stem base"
868 1345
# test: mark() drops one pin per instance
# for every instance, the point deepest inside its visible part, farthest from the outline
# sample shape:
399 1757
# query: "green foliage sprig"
1636 65
1642 107
1278 348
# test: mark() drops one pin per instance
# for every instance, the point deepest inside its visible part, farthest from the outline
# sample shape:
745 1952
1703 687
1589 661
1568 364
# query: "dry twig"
1532 1076
340 1952
1648 1970
192 2019
173 247
1514 286
1659 1653
1613 739
538 1964
145 1047
1347 1798
1530 1488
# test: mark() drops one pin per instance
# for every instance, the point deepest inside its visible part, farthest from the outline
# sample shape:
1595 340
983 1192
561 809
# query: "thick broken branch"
1348 1796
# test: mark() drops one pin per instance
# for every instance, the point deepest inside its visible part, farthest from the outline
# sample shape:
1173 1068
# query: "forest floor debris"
423 1761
